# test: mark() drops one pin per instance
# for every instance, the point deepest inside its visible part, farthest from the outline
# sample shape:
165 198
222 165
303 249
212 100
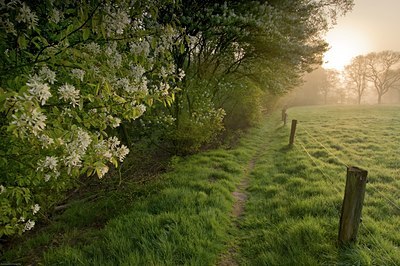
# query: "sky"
371 26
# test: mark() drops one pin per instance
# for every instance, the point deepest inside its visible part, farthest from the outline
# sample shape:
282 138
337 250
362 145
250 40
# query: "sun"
344 45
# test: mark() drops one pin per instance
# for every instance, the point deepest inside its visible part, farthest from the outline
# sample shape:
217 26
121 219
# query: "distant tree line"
376 73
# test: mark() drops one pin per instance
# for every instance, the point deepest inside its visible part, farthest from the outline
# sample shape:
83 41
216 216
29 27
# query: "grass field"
291 216
296 194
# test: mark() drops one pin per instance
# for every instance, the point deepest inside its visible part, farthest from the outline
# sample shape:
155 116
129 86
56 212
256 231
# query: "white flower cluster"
137 72
38 89
45 140
26 16
140 48
117 22
50 166
181 74
93 48
46 74
33 121
35 208
113 121
29 225
110 148
114 57
69 93
78 73
56 16
6 24
76 149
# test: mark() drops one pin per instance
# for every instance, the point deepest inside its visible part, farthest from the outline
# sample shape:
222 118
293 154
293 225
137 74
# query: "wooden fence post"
352 204
285 119
292 132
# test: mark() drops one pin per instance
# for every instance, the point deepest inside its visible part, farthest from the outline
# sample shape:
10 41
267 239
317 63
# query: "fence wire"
314 160
391 202
318 167
325 148
377 243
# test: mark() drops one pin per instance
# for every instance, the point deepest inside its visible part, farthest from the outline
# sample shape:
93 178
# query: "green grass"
293 210
291 217
181 218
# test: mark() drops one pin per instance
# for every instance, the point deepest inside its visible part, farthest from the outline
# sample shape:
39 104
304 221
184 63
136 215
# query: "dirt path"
228 258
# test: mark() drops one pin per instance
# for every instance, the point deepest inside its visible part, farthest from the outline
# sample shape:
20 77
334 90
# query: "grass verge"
183 217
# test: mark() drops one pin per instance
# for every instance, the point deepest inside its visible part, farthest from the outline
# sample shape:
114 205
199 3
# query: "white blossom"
93 48
113 142
27 16
122 152
142 48
103 150
83 140
117 22
47 177
45 140
35 208
181 74
56 16
72 160
114 121
50 162
137 72
34 121
48 75
29 225
102 171
21 219
125 84
2 189
69 93
78 73
38 89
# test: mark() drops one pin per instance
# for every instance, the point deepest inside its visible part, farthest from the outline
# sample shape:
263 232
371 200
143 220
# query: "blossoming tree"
70 73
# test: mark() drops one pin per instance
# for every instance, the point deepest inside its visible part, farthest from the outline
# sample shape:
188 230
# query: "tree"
329 80
71 73
268 44
356 75
381 71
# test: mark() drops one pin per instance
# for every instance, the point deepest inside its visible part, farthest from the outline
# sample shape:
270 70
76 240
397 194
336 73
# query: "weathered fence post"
292 132
285 119
283 114
352 204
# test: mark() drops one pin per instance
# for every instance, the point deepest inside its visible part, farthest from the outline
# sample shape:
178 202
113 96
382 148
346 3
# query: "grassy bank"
182 217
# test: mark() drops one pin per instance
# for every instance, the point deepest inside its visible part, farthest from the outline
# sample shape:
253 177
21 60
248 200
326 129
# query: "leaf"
86 34
182 48
22 42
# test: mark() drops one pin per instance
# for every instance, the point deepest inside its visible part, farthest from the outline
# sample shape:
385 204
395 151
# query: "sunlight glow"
344 45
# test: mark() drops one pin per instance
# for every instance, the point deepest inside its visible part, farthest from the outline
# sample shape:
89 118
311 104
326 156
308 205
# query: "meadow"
184 217
296 194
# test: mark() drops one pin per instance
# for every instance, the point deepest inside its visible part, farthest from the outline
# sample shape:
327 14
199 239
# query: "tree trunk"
379 98
359 99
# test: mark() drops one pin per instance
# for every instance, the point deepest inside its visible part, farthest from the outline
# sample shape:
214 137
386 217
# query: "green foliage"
71 73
